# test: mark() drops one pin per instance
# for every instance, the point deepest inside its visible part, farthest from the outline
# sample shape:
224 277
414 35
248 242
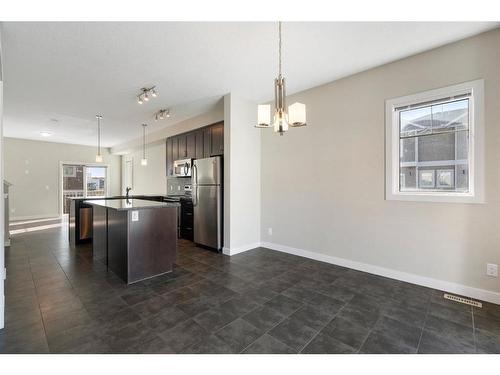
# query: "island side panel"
100 240
117 243
152 242
72 223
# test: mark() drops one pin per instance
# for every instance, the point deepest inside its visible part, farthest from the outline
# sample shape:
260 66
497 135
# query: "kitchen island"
80 216
136 238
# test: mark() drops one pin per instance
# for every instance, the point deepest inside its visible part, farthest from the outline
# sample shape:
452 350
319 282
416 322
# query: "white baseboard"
481 294
34 217
239 249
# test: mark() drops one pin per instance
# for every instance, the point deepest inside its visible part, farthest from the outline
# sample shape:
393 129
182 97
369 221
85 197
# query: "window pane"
96 181
72 184
408 179
450 116
445 178
426 179
434 147
415 121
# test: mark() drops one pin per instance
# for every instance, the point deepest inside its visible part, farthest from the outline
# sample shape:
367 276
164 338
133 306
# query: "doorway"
80 180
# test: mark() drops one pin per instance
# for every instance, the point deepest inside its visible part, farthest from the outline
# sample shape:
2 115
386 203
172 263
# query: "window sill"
436 198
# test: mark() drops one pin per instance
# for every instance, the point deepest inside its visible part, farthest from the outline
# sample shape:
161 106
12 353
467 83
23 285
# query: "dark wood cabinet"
217 141
170 159
181 143
198 144
175 149
191 145
207 141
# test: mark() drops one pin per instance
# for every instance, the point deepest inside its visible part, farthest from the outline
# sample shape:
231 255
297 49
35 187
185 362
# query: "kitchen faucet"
128 190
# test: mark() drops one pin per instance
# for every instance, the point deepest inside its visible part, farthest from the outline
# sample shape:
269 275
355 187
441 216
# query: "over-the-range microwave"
182 168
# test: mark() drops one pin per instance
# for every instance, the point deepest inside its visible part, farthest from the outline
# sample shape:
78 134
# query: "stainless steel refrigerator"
206 182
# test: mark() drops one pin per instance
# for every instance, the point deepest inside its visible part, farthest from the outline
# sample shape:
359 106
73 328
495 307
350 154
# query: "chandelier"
294 116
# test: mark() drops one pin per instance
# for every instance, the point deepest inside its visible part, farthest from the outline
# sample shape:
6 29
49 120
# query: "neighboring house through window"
435 145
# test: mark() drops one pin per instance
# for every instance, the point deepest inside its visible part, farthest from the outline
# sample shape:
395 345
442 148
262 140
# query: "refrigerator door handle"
194 181
194 197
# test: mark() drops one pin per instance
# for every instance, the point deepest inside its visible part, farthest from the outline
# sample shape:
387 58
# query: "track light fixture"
146 93
162 114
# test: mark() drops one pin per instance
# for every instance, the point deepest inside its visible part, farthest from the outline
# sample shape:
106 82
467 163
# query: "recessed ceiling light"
45 134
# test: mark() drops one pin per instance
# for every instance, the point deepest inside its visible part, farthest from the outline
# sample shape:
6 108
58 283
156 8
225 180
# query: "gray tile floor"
58 300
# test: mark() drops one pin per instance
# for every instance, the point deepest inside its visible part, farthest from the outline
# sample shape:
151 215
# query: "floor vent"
467 301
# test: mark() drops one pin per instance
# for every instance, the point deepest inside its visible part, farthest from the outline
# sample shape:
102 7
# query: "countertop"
138 196
130 204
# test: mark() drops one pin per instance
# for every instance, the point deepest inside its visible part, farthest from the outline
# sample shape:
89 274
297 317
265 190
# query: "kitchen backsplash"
175 185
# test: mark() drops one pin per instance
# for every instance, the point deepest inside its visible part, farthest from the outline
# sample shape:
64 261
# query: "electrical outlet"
492 269
135 215
270 231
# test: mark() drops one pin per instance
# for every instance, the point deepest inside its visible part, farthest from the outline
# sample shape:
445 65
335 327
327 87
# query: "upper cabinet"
217 141
207 141
191 146
198 151
170 159
182 144
198 144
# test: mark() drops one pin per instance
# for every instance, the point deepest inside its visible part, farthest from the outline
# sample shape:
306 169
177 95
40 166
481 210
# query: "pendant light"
295 116
98 157
144 161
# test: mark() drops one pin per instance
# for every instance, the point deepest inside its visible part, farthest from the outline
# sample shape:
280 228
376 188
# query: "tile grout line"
38 302
473 329
322 327
267 331
425 322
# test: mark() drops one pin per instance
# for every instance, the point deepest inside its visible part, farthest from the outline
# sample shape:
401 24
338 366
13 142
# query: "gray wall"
33 169
323 185
242 182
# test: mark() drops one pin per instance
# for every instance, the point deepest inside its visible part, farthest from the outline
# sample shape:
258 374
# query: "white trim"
61 179
476 145
481 294
35 217
239 249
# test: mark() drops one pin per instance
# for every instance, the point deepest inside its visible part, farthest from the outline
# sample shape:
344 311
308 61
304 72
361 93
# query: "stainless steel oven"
182 168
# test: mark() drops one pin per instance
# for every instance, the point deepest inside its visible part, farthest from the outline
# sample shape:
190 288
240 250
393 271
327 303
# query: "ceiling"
57 76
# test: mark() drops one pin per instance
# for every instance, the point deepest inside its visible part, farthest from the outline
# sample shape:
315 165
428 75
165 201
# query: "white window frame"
476 145
61 180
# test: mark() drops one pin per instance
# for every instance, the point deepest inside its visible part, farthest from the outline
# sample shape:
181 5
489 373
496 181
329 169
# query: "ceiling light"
144 161
161 114
146 93
98 157
295 115
45 134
